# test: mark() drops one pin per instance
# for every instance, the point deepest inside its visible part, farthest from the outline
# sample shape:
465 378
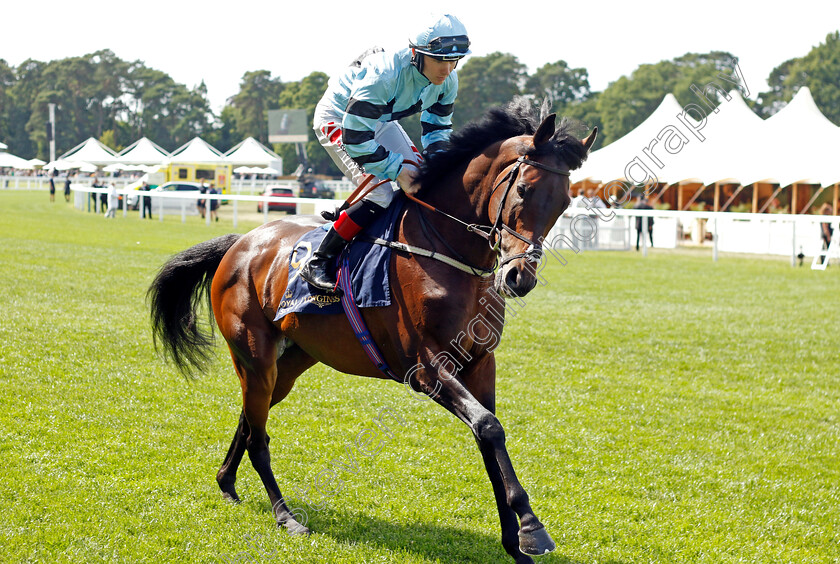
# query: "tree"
819 70
224 136
628 101
560 84
698 69
108 138
69 84
105 92
7 79
781 88
139 81
31 95
94 94
167 112
86 90
587 114
258 93
192 112
484 82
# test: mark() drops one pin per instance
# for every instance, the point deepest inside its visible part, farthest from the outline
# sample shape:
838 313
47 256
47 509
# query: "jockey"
356 122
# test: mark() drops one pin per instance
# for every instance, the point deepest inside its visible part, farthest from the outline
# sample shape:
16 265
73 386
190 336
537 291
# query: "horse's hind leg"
226 477
289 366
265 379
257 392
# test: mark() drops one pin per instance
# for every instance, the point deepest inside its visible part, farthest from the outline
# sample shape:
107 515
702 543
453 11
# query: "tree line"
118 101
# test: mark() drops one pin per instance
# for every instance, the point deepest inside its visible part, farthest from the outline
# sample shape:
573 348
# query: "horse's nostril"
512 278
517 282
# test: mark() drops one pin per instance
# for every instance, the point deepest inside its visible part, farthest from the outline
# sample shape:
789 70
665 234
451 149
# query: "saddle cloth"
368 269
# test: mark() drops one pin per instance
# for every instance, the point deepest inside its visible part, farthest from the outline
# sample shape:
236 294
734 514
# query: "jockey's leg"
320 269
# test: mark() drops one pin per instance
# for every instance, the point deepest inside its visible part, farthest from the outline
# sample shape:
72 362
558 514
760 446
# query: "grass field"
661 410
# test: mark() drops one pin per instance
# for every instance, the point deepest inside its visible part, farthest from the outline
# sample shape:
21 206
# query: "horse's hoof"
231 497
536 542
295 528
229 493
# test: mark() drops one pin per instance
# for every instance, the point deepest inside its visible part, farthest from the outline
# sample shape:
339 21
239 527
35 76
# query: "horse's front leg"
529 535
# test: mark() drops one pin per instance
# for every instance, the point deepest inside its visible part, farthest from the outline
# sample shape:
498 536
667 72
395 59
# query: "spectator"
826 230
147 200
93 195
103 197
67 188
113 199
643 204
214 204
202 203
52 184
588 199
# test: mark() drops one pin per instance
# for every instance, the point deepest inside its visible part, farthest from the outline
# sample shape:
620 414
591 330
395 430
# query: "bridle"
493 233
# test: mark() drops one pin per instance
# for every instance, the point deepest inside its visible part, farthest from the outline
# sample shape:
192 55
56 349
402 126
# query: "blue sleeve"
370 99
436 121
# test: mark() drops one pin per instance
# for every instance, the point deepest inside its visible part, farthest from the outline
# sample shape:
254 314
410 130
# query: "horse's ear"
546 130
590 139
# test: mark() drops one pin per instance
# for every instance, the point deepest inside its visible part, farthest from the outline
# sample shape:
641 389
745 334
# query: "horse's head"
529 194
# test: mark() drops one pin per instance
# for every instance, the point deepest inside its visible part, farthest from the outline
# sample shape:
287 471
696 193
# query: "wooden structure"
762 197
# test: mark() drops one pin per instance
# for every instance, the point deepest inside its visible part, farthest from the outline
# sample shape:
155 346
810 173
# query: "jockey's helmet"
444 39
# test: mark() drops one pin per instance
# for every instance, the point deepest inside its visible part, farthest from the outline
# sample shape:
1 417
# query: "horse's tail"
175 298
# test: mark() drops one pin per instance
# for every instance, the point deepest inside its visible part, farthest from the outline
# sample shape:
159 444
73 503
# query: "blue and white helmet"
445 39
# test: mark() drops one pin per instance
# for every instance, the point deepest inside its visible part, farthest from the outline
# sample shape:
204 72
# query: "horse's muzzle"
518 273
516 278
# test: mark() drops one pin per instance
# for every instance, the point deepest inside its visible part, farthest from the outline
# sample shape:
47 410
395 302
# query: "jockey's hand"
405 179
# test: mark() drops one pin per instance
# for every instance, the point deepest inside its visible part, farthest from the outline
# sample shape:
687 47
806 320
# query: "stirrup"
317 276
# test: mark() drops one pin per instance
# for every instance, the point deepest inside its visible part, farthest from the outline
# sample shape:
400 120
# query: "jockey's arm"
368 102
436 121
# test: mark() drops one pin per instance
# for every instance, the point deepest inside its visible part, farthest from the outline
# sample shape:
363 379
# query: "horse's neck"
465 196
452 198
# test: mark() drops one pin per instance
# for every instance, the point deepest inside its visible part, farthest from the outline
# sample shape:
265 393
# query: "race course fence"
588 230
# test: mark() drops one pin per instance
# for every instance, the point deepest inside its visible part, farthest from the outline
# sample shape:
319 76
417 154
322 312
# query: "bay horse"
496 192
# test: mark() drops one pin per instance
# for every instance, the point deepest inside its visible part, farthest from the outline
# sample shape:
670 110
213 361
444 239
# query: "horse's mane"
518 117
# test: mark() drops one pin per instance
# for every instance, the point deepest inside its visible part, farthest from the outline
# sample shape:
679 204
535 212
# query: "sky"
198 41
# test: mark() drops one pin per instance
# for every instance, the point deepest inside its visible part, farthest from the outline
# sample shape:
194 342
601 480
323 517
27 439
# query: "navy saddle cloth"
368 269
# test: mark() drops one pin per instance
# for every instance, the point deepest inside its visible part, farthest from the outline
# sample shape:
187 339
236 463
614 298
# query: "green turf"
667 409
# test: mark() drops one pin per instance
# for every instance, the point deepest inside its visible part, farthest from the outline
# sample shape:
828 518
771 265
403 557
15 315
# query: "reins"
490 233
357 194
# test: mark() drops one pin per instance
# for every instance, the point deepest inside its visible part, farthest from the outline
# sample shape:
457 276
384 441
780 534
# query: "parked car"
190 205
278 192
315 189
135 192
153 179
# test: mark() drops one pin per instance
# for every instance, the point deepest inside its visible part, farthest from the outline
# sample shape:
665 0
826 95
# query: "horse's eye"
522 189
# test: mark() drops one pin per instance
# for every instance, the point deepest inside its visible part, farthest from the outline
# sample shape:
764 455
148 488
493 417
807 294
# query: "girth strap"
396 245
348 302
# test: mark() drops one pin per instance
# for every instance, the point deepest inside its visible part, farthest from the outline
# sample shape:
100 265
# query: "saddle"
367 265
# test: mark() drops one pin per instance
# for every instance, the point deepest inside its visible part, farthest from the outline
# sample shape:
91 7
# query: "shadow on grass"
426 540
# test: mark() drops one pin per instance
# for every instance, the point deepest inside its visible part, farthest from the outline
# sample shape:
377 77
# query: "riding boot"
317 270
